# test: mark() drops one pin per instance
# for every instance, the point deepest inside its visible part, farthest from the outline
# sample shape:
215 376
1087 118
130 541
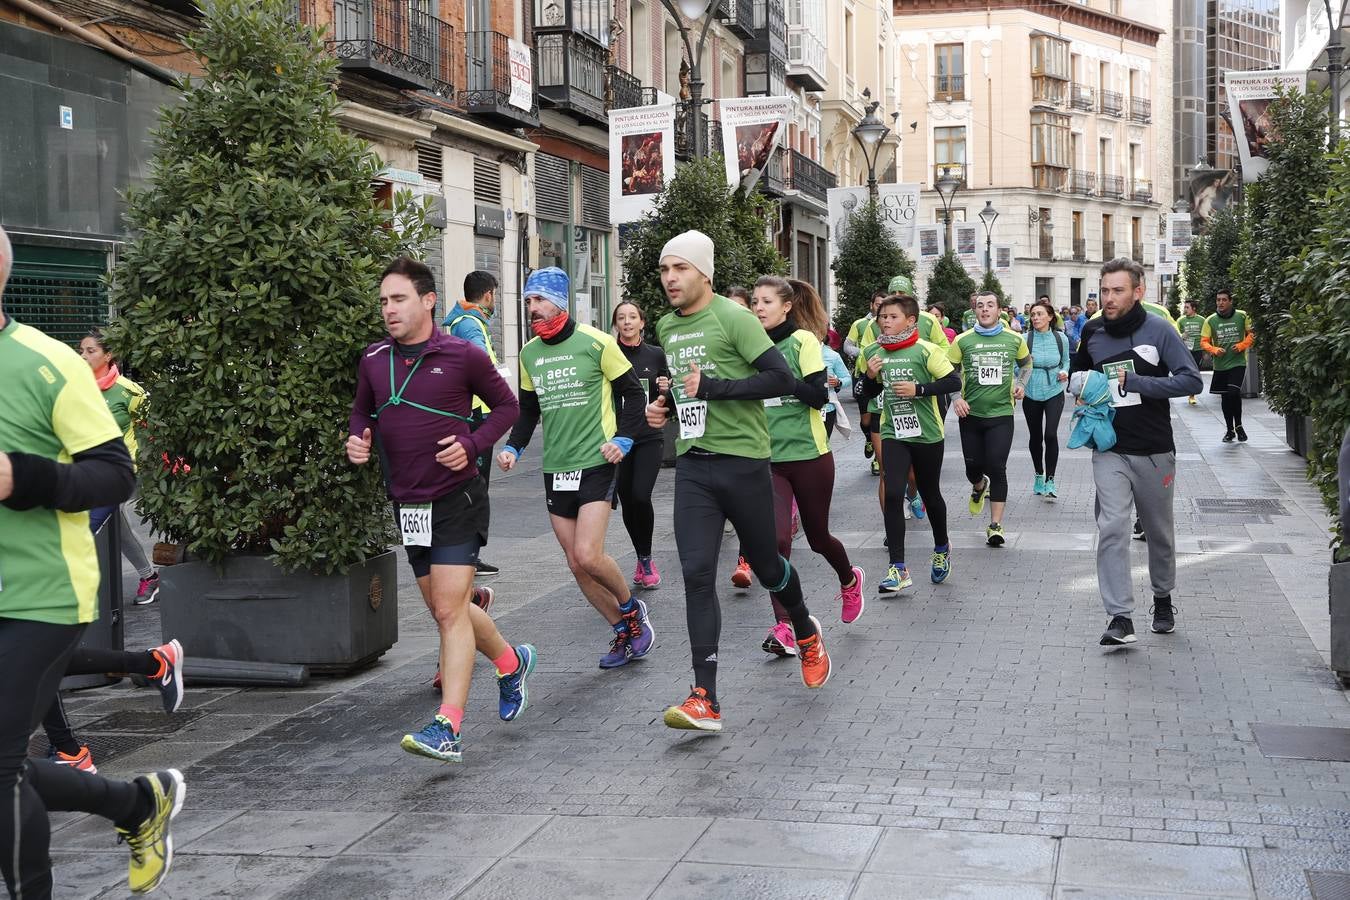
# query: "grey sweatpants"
1125 484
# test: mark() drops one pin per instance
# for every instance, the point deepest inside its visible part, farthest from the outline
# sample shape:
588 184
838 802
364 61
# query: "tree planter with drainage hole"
1338 601
249 609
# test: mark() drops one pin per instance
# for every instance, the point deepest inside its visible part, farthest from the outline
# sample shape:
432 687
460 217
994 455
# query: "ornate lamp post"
869 133
694 11
988 216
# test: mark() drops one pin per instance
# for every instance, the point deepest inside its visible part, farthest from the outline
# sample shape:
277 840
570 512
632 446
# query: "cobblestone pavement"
974 741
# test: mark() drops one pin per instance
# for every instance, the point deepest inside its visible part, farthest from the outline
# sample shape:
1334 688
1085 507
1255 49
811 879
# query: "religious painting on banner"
1250 95
641 158
752 129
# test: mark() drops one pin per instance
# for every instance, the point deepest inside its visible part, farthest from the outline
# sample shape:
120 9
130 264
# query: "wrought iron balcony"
1141 189
806 58
774 182
1141 110
741 21
1082 97
572 75
1108 249
1113 186
487 82
808 176
684 133
1081 182
956 170
394 41
949 87
1113 104
624 90
1080 249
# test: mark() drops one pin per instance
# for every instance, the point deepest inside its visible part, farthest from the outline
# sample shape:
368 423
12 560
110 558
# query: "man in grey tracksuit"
1147 363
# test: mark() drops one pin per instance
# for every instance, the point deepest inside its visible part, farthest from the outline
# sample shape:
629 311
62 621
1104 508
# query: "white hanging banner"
641 159
930 243
1249 97
752 128
1003 261
1179 234
1166 263
522 74
899 205
967 239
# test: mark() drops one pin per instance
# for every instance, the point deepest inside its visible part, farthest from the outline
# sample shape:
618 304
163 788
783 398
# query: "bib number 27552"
693 415
414 520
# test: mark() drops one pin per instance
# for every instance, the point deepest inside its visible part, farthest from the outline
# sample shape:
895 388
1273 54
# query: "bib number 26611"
414 520
693 415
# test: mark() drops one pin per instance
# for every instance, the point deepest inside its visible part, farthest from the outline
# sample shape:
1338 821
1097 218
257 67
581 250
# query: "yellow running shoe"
977 497
151 842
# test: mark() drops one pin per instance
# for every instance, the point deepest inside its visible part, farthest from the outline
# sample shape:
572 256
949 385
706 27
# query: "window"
640 42
1077 225
949 149
1050 56
1047 91
1133 170
850 57
1049 139
949 71
1104 156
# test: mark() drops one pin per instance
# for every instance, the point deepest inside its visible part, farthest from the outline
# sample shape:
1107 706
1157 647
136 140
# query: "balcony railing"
741 21
956 170
1081 182
1141 190
1080 249
808 176
806 58
394 41
487 82
1108 249
1141 110
1083 97
684 132
775 173
1047 245
1137 253
1113 186
949 87
572 75
1113 104
624 90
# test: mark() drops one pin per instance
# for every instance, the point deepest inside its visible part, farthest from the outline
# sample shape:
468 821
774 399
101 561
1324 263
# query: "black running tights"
985 444
811 483
898 456
92 661
637 478
33 657
1043 432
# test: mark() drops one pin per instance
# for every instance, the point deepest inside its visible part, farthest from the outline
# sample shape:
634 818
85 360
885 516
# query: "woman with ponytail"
638 470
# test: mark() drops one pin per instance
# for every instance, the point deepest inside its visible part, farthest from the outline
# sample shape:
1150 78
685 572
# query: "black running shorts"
459 528
567 492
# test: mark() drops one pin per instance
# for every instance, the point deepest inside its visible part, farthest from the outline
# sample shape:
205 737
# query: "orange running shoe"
741 577
84 760
697 713
815 660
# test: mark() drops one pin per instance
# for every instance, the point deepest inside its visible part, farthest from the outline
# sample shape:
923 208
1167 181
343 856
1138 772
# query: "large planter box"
251 610
1338 599
1298 434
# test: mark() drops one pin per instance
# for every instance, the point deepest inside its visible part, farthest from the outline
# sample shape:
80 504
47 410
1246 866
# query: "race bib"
567 481
505 372
693 416
905 420
773 401
1112 372
989 374
414 520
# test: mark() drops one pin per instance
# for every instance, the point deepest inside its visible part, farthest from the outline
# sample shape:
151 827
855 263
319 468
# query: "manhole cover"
103 747
135 721
1329 885
1303 742
1239 506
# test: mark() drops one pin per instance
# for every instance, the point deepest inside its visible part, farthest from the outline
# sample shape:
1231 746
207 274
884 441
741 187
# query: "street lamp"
869 133
1335 51
947 185
694 11
988 216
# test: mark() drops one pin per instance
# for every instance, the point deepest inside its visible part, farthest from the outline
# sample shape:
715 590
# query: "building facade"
1304 35
1053 112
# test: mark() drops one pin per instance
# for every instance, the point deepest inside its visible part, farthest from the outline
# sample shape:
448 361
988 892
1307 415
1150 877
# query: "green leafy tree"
1280 213
990 282
698 197
868 258
951 285
1193 274
1221 243
247 295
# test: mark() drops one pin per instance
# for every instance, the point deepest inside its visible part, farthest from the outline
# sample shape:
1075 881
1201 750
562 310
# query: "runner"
802 464
1148 363
838 380
909 374
413 406
1191 325
61 453
1044 401
722 471
988 355
124 398
469 321
638 471
573 376
861 334
1227 335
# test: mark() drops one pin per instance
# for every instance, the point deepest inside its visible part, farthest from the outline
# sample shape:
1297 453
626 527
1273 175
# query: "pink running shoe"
781 640
650 577
851 598
639 573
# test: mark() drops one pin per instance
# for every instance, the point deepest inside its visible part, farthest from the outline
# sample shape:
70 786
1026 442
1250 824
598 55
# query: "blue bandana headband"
549 283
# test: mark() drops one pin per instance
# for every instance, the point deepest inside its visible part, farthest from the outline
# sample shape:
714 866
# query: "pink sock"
454 714
508 662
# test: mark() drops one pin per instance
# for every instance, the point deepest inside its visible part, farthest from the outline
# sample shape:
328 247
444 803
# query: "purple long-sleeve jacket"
446 376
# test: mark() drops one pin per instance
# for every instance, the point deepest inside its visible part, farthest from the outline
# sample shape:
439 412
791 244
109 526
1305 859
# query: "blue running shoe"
1038 486
942 566
437 741
618 654
916 506
896 580
641 637
515 697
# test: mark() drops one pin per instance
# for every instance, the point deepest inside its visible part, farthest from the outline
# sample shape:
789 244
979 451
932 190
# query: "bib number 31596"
693 415
414 520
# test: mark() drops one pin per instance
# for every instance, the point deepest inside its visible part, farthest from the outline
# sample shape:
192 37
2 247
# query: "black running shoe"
1228 437
1139 531
1120 631
485 570
1164 618
1241 434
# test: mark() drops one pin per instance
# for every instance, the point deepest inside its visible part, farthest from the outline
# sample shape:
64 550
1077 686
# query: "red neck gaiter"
108 378
899 341
550 327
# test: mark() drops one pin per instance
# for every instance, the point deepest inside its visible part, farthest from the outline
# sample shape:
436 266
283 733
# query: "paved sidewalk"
974 739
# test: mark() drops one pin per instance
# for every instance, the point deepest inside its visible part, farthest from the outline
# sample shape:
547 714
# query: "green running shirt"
53 408
916 420
796 431
576 401
1224 333
988 366
1191 327
724 339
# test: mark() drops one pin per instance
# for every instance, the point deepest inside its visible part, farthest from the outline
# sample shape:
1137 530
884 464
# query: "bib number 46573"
693 416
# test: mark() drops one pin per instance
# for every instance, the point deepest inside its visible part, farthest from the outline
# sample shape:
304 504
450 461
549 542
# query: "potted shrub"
245 297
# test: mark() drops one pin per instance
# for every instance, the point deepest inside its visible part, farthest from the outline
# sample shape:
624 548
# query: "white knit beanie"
695 247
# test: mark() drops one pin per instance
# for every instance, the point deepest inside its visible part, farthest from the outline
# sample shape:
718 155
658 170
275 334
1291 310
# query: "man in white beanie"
724 368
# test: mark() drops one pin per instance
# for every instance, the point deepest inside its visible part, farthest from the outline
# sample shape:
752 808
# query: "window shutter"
552 187
487 181
429 161
594 198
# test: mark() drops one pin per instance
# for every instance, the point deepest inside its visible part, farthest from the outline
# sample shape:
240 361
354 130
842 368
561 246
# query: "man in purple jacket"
414 401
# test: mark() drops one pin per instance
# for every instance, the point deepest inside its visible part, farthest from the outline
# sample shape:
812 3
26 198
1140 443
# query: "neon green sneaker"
897 579
151 843
978 496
